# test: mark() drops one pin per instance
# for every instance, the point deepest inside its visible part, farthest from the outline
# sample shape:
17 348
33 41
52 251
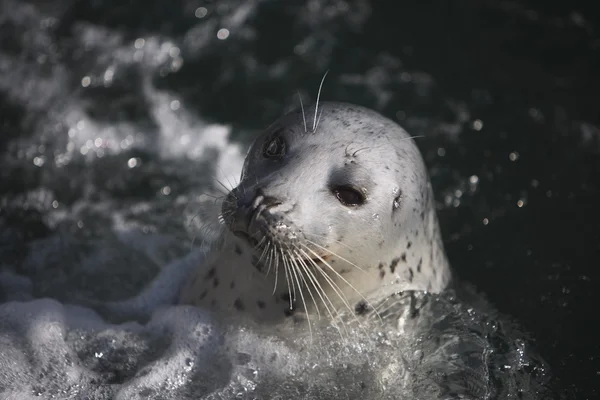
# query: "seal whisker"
341 277
316 284
228 191
295 275
333 240
337 290
317 103
265 248
301 267
335 255
288 273
277 270
334 286
302 108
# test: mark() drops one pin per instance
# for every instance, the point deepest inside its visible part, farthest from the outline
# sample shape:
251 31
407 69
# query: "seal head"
334 217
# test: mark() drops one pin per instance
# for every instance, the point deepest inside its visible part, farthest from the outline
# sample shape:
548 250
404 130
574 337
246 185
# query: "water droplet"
201 12
223 34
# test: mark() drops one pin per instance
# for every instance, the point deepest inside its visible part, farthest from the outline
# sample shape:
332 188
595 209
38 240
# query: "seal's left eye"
274 148
349 196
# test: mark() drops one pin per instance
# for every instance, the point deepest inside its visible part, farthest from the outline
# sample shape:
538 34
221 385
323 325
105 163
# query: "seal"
331 217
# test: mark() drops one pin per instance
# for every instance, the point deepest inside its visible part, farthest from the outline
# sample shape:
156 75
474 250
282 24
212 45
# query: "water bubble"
478 125
139 43
223 33
86 81
441 152
38 161
109 75
514 156
201 12
132 162
175 104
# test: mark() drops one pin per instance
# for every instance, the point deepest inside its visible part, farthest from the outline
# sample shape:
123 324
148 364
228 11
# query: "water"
117 117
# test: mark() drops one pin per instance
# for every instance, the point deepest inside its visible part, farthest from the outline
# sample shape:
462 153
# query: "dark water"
507 94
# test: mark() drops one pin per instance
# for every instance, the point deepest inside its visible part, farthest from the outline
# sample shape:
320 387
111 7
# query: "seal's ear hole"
396 203
349 196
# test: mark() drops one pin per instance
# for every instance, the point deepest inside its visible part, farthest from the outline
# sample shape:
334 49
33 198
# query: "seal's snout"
245 211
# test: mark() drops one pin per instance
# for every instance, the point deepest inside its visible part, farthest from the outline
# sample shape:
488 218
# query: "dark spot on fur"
411 275
288 312
285 297
419 264
381 273
238 304
408 245
361 307
211 273
232 284
403 257
394 264
380 266
216 282
203 295
260 304
238 249
213 303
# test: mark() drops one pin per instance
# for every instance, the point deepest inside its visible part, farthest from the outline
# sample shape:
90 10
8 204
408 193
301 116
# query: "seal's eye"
349 196
274 148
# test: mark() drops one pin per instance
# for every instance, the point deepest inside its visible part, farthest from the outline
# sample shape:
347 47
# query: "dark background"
529 70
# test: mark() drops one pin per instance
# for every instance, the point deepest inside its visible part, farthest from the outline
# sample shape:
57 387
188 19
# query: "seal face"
323 219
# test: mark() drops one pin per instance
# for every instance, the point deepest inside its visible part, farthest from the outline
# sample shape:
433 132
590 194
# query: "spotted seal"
330 215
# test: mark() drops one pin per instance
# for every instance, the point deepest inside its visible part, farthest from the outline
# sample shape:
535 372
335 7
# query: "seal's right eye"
349 196
274 148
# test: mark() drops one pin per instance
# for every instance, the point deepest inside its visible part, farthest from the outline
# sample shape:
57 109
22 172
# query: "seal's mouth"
318 259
